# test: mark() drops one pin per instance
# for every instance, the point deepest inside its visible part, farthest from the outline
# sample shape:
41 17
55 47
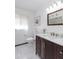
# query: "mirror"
55 18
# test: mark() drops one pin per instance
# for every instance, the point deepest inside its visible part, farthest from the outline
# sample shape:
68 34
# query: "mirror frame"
51 14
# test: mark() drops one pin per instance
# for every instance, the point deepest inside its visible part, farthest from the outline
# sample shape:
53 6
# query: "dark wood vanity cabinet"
48 50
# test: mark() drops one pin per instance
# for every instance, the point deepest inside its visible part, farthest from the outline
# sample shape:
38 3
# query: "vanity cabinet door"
50 50
59 52
38 46
42 49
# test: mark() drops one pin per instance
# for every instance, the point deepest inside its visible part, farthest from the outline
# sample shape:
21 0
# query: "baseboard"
21 44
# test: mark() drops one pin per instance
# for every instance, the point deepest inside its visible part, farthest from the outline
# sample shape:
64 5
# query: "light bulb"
55 7
51 8
60 5
48 10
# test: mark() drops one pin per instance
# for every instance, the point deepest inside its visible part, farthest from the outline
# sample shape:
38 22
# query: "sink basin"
51 37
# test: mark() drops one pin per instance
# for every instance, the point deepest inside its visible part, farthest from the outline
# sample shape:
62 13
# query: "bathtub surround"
26 18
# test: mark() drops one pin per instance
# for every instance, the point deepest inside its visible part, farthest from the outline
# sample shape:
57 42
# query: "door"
42 48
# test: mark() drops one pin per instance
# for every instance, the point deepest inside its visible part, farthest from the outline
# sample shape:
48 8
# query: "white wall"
42 12
21 35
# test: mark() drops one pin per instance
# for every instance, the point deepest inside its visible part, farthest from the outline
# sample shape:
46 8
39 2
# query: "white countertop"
56 40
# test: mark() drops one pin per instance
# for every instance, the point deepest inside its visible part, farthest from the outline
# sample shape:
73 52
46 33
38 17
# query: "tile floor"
26 51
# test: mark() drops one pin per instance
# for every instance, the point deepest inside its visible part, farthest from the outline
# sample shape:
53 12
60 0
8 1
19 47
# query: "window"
21 22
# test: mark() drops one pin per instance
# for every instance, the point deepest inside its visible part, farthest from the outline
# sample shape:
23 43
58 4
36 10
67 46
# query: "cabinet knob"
61 52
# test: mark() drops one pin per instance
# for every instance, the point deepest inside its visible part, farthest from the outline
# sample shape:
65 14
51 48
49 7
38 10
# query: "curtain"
21 22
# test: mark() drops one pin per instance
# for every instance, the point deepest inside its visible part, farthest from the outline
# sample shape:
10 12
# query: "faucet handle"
52 34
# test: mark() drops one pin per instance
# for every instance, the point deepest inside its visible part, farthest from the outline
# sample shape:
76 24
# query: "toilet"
30 39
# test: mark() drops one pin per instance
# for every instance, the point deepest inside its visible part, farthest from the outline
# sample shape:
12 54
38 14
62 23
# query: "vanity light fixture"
54 6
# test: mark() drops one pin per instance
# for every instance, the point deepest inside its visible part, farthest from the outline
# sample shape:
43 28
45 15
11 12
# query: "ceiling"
31 5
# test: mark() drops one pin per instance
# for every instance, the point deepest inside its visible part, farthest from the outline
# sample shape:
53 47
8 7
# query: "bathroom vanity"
49 48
